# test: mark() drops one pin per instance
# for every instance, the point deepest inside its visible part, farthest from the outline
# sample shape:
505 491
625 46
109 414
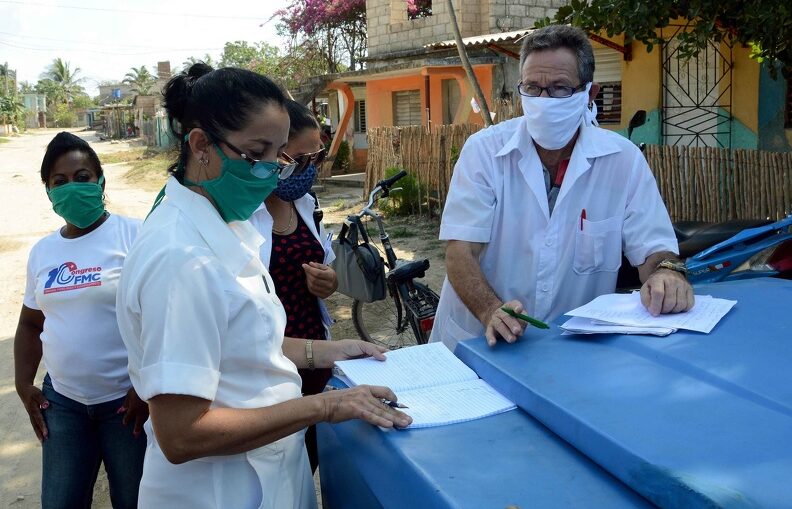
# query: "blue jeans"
81 437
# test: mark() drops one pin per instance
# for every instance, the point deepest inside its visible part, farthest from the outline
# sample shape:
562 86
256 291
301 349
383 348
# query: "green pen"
526 318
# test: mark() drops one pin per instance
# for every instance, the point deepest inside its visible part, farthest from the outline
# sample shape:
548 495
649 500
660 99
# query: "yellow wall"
745 88
642 81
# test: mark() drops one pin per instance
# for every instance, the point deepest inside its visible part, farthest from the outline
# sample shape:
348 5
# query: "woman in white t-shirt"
87 412
203 326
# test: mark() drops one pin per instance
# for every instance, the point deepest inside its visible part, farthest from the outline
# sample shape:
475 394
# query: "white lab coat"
262 221
199 316
551 264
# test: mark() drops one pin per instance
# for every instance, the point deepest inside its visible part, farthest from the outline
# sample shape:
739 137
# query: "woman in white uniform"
297 250
202 323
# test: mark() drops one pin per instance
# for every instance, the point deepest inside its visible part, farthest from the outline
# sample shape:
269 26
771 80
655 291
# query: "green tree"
52 90
82 102
12 111
141 79
766 25
26 88
64 116
245 55
64 77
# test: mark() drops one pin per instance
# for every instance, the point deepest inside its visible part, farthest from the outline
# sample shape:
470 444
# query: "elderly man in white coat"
541 207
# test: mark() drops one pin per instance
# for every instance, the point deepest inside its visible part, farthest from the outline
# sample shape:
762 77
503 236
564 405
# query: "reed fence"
697 183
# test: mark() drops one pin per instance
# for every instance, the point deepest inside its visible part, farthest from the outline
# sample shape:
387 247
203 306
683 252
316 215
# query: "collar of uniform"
236 244
517 141
592 144
589 142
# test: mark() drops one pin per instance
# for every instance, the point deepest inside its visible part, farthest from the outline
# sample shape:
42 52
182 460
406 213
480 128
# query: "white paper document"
436 386
626 309
578 325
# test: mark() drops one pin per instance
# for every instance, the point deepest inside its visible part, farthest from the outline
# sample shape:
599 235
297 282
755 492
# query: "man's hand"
135 410
502 325
667 291
321 279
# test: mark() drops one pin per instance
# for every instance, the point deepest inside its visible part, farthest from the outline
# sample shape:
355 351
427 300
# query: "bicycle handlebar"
385 184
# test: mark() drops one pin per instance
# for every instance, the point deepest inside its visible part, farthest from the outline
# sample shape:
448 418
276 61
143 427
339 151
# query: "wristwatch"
309 354
675 265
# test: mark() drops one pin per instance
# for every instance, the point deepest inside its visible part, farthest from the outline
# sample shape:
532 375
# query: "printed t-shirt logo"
69 277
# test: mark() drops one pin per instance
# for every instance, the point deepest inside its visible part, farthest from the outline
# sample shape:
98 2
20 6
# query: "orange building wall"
379 99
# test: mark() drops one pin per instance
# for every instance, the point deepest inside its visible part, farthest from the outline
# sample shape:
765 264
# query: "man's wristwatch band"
675 265
309 353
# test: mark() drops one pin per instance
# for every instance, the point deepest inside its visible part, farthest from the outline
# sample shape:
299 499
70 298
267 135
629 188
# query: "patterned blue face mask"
296 186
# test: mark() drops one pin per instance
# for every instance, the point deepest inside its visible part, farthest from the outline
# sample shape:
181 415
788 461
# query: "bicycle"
406 315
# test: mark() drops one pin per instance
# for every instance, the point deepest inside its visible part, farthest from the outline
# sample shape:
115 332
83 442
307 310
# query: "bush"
407 201
342 158
63 116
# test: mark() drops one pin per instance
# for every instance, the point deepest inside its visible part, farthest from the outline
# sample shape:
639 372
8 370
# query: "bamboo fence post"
737 190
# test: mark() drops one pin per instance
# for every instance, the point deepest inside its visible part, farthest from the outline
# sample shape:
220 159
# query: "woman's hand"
322 280
35 402
326 353
136 410
363 402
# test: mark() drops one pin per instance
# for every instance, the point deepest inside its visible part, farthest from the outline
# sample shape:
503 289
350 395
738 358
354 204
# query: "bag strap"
360 228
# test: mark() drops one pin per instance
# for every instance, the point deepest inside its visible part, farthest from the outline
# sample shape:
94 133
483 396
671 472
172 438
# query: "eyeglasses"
302 161
556 92
284 170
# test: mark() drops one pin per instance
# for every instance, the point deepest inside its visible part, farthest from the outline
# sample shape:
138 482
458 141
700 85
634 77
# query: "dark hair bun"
177 93
198 69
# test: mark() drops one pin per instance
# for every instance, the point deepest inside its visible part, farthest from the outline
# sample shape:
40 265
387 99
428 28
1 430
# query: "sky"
106 39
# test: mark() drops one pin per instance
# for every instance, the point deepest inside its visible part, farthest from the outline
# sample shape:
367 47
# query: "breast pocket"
598 246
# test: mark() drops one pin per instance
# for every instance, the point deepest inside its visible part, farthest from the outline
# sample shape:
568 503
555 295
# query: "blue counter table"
690 420
503 460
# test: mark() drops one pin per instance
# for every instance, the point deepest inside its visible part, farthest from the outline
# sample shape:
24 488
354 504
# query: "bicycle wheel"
388 323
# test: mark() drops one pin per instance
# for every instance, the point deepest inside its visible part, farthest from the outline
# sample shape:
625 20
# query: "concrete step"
347 180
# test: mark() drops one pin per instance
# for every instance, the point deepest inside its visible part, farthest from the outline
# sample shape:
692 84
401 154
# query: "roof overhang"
513 37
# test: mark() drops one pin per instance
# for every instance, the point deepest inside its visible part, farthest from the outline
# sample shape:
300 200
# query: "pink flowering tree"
336 28
419 8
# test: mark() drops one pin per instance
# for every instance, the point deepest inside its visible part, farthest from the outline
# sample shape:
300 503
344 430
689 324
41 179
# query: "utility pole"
485 113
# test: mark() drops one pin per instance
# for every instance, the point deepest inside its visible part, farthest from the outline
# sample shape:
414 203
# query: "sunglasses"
284 170
302 161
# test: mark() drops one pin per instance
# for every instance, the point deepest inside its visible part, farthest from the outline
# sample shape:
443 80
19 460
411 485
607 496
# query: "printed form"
625 309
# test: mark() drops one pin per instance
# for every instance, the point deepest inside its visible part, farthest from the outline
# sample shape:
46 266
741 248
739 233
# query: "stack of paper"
436 386
624 314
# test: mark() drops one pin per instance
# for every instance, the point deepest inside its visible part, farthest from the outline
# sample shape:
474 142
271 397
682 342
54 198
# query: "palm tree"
207 59
141 79
60 73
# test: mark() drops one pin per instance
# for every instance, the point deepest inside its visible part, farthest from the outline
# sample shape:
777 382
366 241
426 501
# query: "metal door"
697 95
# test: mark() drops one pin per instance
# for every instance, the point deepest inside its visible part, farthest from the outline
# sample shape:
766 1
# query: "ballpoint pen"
384 401
526 318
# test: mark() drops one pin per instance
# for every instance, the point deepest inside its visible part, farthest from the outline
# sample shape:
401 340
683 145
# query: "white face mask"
553 122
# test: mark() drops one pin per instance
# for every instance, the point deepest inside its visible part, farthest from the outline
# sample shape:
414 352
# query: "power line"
127 11
102 52
95 43
100 43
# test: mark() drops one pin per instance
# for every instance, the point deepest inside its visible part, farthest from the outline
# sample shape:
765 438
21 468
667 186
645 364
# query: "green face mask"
79 203
240 188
